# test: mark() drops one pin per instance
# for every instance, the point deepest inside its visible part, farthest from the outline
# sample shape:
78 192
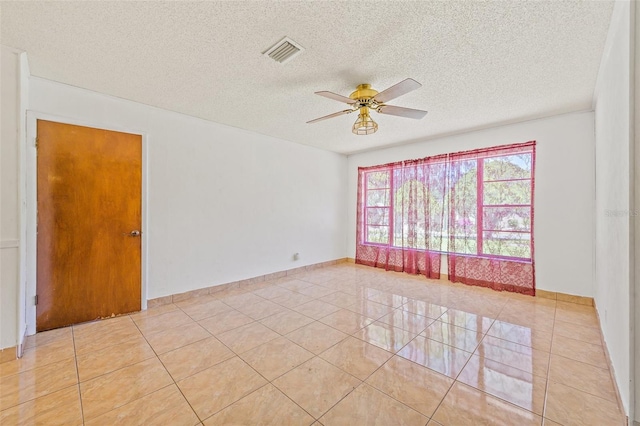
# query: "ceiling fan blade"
402 112
335 114
336 97
405 86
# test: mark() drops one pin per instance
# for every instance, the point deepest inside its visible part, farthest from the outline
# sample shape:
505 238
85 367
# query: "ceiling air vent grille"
284 50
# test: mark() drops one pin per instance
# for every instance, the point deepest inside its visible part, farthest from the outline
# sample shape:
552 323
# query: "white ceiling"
480 63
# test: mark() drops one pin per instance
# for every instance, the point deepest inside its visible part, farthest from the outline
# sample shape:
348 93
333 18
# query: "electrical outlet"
296 256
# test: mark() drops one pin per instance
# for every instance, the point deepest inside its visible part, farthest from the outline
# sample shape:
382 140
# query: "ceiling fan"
365 98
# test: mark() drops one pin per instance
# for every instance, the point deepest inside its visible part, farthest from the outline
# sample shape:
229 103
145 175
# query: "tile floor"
343 345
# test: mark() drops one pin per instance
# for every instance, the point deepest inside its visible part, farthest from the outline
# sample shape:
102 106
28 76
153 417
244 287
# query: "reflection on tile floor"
343 345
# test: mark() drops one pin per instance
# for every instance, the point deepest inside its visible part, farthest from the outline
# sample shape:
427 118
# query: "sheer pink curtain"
401 216
491 218
476 206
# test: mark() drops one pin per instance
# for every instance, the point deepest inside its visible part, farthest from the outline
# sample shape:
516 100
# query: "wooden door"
89 224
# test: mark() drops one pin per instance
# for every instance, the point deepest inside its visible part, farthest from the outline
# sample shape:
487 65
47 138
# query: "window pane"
463 220
437 242
517 166
378 216
410 208
418 209
413 237
378 197
507 218
377 180
378 234
463 244
512 244
509 192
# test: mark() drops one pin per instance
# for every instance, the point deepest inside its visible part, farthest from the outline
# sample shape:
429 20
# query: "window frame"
480 183
366 207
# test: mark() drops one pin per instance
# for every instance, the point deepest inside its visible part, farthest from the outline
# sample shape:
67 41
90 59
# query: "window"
506 207
378 206
475 203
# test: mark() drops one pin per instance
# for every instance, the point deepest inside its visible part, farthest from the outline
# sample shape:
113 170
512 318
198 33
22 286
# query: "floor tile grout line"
100 323
499 397
127 340
568 385
502 363
386 362
117 369
340 400
269 382
170 375
254 391
131 401
214 315
578 389
314 321
455 380
239 355
400 356
318 356
171 328
47 363
102 347
519 344
210 316
41 396
286 395
547 384
579 362
391 396
75 358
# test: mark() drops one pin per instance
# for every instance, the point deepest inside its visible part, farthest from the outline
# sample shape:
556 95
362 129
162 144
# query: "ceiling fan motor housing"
363 91
364 95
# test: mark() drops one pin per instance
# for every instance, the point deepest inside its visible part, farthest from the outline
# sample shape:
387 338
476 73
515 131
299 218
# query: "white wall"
9 227
612 99
12 113
564 191
224 204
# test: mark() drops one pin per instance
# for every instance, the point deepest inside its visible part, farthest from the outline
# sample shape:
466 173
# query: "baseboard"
563 297
252 282
610 364
547 294
239 285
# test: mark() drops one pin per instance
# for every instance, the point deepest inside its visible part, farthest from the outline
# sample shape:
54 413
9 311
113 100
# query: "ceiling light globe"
364 125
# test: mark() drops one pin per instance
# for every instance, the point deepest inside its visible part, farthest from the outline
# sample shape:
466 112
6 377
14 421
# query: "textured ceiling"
480 63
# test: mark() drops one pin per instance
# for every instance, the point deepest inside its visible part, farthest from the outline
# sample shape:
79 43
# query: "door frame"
30 201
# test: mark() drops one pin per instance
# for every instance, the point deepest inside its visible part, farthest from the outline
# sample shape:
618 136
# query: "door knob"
135 233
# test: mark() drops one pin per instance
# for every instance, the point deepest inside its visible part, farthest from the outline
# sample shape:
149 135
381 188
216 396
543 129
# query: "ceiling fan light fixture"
365 99
364 125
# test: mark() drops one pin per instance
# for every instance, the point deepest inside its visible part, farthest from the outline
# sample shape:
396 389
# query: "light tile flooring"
344 345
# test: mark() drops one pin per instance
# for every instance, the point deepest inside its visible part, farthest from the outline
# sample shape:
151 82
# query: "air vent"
284 50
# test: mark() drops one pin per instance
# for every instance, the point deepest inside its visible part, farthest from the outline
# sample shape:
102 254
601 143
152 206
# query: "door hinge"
35 299
36 144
